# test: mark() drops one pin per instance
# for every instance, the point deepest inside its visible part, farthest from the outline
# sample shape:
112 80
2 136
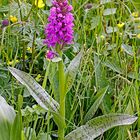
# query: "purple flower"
60 27
50 54
5 22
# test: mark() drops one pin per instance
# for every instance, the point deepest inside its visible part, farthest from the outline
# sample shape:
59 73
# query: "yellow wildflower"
12 62
121 50
135 14
120 25
17 60
38 78
29 49
138 36
138 26
102 37
26 57
13 19
39 3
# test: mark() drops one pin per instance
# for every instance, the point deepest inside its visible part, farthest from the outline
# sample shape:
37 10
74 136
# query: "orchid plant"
59 32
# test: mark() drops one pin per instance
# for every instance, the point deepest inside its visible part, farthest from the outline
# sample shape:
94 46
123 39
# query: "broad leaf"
95 22
110 29
128 49
100 73
72 71
56 59
133 75
43 136
7 116
109 11
99 125
105 1
38 93
95 105
53 78
119 70
113 66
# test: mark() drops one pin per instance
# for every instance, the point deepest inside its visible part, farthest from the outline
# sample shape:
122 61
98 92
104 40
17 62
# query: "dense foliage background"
108 79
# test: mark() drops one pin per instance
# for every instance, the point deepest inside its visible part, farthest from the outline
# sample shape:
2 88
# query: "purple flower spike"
5 23
60 27
50 54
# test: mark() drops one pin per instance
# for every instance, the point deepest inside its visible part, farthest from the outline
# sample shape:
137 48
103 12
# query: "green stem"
46 75
2 40
19 5
33 47
61 128
23 56
24 48
29 12
31 68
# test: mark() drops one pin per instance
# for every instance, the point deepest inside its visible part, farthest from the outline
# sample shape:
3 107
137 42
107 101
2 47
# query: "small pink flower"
5 23
50 54
60 27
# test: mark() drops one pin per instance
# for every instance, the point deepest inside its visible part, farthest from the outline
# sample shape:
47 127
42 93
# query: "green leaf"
128 49
56 59
133 75
113 66
7 116
96 104
17 125
95 22
49 3
110 29
54 80
30 133
109 11
100 73
38 93
4 9
72 71
43 136
136 4
16 131
105 1
119 70
99 125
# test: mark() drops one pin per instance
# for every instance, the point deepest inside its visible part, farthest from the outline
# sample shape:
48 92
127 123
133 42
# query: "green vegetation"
91 91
